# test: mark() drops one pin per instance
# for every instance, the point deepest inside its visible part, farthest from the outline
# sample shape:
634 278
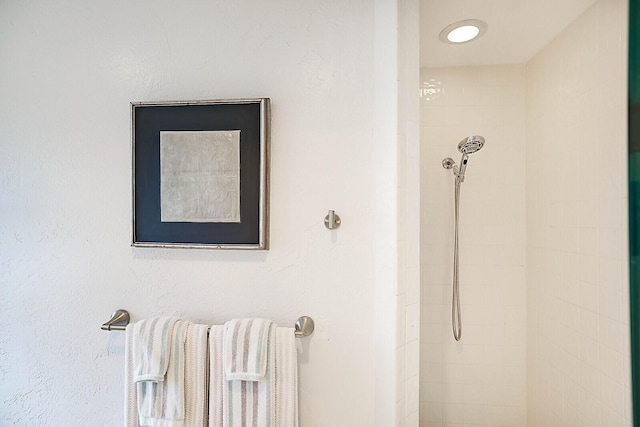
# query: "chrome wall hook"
332 220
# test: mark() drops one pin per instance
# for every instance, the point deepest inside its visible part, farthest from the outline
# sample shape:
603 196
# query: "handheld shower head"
471 144
468 146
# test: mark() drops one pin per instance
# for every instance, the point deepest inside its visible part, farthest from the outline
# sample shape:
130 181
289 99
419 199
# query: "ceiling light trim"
480 25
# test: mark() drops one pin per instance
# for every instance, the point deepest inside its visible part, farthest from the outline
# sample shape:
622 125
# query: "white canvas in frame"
200 176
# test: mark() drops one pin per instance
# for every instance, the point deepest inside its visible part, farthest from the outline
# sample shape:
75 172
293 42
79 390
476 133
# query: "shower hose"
456 317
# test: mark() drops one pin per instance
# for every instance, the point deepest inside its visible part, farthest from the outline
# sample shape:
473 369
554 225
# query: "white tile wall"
577 278
549 347
408 280
481 379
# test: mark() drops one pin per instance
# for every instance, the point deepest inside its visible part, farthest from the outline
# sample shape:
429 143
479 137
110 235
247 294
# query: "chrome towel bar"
120 319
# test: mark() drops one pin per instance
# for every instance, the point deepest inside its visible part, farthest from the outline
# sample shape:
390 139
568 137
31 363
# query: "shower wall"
481 380
547 345
577 257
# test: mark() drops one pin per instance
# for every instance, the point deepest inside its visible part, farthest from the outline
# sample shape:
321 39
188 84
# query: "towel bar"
120 319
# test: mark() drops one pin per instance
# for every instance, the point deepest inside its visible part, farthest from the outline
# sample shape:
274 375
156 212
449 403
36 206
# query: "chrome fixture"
304 326
467 146
332 220
119 320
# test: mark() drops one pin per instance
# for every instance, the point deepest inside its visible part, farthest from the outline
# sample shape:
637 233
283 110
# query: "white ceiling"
518 29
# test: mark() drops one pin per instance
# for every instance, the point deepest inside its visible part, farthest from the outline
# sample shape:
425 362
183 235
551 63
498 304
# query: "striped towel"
195 376
161 403
250 403
151 348
195 357
245 349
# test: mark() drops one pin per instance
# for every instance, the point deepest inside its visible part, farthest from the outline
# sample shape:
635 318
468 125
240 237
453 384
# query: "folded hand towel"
195 376
161 403
151 348
245 349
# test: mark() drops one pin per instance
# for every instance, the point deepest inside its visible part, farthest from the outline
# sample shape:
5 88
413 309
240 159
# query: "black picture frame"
248 116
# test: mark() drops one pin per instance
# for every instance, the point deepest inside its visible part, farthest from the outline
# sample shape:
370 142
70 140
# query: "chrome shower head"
471 144
467 146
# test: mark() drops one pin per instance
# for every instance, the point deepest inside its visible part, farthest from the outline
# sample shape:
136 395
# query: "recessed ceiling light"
463 31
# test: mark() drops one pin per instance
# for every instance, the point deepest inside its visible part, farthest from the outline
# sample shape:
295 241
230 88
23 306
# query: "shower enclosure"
543 232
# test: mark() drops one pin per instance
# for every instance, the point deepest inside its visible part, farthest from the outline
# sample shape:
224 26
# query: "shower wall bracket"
448 163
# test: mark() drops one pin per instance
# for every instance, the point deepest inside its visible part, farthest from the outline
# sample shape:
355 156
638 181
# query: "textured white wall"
577 230
69 71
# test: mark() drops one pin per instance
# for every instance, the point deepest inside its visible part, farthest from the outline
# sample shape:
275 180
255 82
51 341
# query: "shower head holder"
448 163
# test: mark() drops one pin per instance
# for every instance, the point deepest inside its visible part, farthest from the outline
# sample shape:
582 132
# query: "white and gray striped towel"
170 402
151 347
250 403
245 349
271 402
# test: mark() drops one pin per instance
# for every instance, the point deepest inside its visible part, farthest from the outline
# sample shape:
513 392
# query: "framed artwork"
201 174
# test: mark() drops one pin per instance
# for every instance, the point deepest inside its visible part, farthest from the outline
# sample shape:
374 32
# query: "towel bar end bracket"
304 326
118 322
